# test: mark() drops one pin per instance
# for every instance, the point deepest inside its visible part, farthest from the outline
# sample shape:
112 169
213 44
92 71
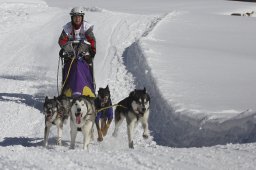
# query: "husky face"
140 101
50 109
104 95
79 110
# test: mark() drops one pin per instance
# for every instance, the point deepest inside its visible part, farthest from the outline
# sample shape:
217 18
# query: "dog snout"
143 109
49 111
78 110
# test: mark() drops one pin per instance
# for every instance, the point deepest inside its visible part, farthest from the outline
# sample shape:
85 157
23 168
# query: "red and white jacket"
85 32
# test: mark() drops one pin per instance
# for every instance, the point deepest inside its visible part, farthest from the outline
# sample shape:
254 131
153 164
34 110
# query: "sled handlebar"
83 41
75 42
72 53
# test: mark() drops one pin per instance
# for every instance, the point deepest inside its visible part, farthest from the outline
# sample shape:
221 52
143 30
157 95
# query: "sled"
77 71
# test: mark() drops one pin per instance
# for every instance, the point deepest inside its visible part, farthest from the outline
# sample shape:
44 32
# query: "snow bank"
171 127
199 69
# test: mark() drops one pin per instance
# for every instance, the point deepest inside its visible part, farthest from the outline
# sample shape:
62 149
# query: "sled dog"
82 119
135 108
56 111
104 116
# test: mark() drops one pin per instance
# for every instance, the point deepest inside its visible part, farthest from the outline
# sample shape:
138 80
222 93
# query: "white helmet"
77 11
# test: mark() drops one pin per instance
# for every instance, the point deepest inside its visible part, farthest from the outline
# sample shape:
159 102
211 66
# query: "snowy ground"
196 61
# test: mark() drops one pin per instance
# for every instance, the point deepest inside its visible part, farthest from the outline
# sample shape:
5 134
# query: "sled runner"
77 70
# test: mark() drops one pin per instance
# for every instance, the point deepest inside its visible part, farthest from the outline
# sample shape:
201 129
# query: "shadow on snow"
35 101
23 141
29 142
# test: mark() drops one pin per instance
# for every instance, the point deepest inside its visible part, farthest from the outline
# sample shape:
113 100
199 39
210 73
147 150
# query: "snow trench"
177 129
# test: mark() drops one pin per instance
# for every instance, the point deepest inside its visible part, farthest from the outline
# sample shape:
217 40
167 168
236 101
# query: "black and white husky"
56 111
134 108
82 119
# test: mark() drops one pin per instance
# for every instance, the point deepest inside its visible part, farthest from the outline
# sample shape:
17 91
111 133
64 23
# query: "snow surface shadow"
35 101
17 77
23 141
170 128
30 142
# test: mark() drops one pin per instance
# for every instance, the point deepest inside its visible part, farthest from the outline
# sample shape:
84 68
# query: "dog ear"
70 99
107 88
100 89
132 93
46 98
148 97
144 90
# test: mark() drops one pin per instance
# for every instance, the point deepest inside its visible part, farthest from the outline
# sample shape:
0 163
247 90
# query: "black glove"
63 54
87 57
92 52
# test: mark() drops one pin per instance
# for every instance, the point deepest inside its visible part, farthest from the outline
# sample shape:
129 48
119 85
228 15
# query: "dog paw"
100 139
131 145
59 143
114 134
145 136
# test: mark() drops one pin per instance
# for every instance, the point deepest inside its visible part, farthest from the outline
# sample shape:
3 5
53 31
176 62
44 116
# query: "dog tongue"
78 119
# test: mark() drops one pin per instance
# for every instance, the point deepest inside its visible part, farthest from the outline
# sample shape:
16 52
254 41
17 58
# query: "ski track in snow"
33 75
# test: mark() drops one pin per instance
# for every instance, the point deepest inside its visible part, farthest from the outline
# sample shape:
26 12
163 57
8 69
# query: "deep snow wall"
177 129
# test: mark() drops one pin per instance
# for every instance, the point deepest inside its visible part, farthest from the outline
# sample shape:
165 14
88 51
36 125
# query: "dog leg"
46 135
118 122
105 129
73 133
130 129
59 131
92 133
100 137
103 126
87 134
145 127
